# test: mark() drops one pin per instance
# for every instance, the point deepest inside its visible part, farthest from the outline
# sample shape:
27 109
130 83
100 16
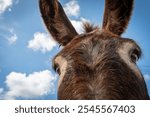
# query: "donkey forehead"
99 41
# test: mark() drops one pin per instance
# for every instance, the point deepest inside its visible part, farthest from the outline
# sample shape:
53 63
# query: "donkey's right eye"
57 68
134 58
135 55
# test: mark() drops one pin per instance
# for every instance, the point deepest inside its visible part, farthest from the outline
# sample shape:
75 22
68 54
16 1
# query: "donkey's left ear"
56 21
117 15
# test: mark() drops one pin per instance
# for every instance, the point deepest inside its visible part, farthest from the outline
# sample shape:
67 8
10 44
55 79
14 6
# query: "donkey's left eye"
57 68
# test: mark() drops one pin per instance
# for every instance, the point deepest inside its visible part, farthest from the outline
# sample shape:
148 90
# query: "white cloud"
6 5
147 77
72 8
12 39
78 24
42 42
32 86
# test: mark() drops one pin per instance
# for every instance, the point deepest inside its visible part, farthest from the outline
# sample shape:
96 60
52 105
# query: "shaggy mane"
89 27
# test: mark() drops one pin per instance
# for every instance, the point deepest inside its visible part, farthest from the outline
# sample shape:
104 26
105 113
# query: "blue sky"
26 48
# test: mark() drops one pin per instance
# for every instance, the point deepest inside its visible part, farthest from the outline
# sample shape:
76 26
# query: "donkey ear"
117 15
56 21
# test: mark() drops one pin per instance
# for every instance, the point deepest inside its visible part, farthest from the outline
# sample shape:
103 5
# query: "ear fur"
56 21
89 27
117 15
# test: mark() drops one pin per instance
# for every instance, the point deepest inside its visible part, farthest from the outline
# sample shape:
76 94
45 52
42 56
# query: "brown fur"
117 14
95 67
89 27
57 22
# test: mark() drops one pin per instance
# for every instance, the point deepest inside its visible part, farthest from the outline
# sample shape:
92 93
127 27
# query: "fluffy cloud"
147 77
13 38
42 42
32 86
6 4
77 25
72 8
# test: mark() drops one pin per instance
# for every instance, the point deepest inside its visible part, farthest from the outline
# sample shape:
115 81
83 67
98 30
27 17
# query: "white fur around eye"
62 62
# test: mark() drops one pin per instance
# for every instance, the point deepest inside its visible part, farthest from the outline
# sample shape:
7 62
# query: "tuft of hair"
88 27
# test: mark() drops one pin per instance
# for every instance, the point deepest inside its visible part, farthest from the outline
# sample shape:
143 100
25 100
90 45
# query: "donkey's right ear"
56 21
117 15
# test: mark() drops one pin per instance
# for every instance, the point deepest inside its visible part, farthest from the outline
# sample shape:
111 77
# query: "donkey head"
98 64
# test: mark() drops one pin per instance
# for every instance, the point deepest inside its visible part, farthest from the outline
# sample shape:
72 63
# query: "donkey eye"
135 56
57 68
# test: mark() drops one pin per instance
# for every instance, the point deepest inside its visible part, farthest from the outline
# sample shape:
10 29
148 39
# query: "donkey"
98 64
